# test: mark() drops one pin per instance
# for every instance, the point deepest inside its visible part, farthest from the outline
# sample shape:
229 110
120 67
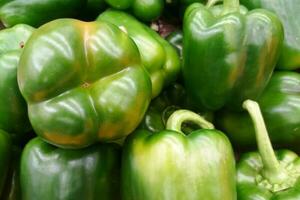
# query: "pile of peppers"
150 100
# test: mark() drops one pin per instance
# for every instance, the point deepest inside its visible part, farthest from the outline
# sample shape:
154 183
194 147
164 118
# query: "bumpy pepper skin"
169 165
265 174
281 110
5 157
13 108
249 166
51 173
229 53
288 13
145 10
83 82
158 56
37 12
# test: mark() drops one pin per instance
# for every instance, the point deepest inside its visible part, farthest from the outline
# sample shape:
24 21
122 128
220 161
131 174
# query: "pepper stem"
175 121
211 3
229 6
272 170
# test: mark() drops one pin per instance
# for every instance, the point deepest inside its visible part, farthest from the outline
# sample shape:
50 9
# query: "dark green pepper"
12 189
169 165
13 108
145 10
51 173
160 108
176 39
37 12
288 13
171 99
229 53
266 175
280 105
83 82
5 157
158 56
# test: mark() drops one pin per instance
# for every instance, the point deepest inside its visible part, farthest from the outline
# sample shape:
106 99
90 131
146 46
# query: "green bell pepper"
171 99
12 189
160 108
37 12
229 53
83 82
158 56
288 13
5 157
176 39
280 105
13 108
51 173
266 175
145 10
169 165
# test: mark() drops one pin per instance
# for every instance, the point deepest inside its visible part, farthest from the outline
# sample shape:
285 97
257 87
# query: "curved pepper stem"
272 170
229 6
211 3
175 121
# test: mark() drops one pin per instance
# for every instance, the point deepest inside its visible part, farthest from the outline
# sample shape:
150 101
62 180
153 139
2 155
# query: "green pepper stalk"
280 106
272 170
176 120
229 6
266 174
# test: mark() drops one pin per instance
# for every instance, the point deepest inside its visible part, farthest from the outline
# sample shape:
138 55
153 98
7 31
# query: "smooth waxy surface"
281 110
158 56
36 12
51 173
13 108
90 87
288 13
229 53
169 165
